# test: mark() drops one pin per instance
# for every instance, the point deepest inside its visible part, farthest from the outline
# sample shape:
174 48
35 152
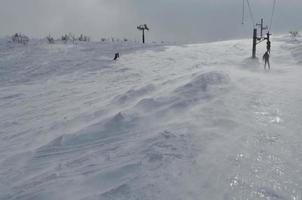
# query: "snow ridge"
200 121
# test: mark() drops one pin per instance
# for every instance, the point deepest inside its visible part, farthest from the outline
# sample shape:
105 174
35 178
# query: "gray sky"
169 20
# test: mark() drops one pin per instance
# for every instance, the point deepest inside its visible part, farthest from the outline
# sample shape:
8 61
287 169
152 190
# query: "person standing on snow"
266 60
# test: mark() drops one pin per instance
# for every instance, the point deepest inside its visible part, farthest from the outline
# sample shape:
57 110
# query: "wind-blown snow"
200 121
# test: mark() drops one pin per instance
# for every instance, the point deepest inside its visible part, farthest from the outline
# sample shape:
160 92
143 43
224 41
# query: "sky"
169 20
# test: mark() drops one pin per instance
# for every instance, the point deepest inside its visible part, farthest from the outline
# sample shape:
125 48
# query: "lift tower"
257 40
143 28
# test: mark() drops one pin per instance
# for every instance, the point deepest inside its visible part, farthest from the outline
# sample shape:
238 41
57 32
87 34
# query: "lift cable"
273 13
243 11
251 13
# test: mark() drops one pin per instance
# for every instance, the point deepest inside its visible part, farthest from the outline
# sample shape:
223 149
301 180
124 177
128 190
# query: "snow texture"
200 121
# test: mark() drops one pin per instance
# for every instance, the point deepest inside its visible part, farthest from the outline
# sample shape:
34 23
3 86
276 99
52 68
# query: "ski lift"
247 2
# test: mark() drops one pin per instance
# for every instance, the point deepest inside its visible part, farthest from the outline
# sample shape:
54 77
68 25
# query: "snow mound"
203 82
133 94
149 104
201 87
96 135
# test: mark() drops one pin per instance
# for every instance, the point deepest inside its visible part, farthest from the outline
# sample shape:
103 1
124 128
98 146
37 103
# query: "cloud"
40 17
173 20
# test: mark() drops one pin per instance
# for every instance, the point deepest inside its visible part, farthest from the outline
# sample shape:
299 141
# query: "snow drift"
200 121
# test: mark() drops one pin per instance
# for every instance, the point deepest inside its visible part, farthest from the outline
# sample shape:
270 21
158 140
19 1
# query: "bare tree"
294 34
84 38
65 38
50 39
20 38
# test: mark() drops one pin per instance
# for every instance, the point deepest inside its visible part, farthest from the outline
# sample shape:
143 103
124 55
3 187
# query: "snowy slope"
200 121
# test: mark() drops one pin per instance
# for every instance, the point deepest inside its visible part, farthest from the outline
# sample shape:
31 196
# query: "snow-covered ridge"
199 121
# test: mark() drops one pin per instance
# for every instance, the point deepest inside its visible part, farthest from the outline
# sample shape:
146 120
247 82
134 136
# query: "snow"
199 121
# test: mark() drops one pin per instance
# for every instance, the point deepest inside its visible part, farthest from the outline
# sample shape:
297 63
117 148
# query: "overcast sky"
169 20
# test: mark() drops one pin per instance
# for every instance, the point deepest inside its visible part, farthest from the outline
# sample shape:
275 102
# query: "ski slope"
187 122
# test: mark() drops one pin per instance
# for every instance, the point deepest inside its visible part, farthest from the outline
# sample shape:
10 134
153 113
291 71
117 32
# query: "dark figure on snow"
268 46
266 60
116 56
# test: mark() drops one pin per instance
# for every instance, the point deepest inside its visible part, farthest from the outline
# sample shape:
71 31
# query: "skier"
266 60
116 56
